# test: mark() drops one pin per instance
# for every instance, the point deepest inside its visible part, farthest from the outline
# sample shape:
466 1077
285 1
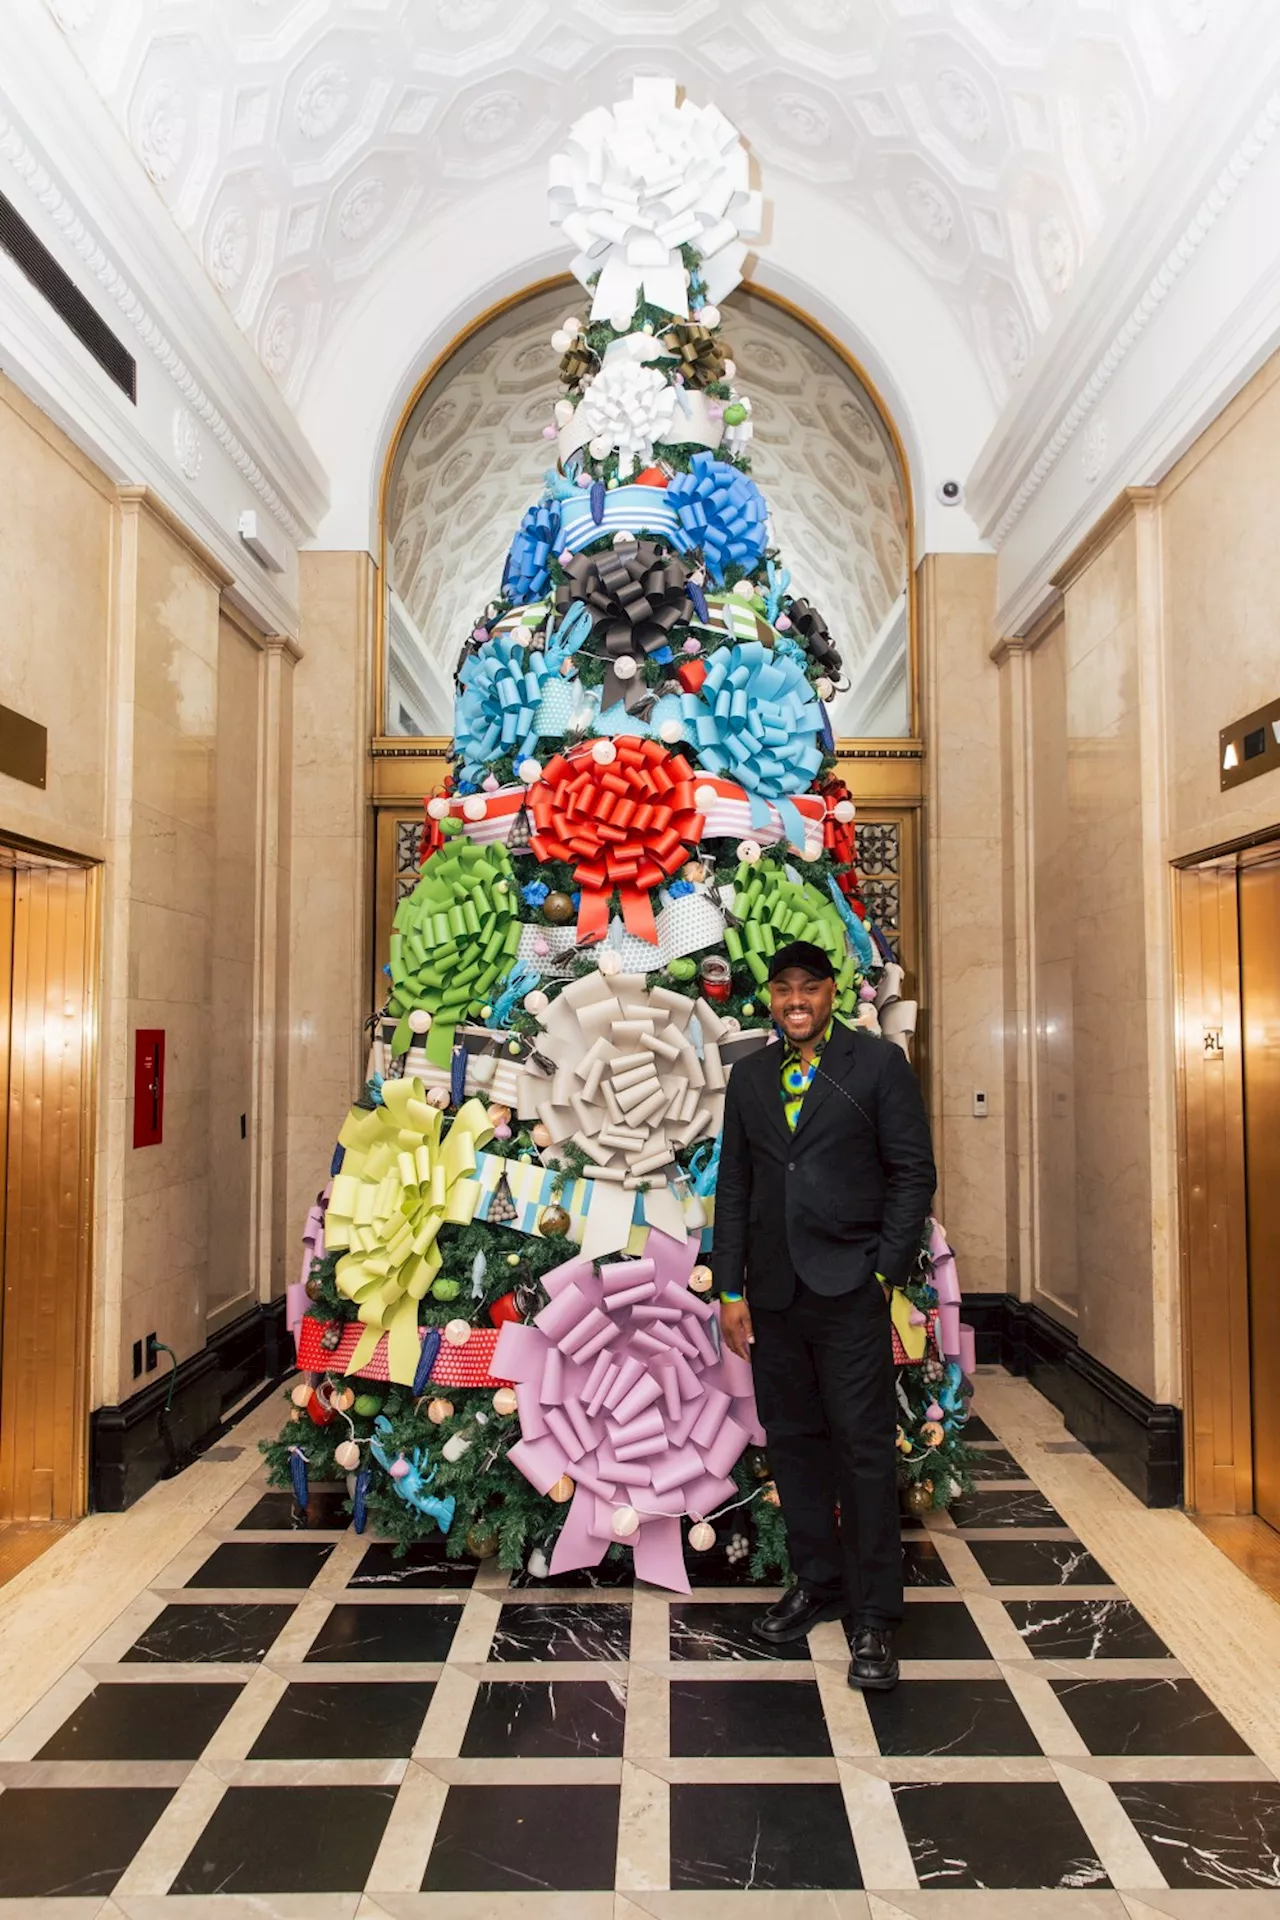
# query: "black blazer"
843 1197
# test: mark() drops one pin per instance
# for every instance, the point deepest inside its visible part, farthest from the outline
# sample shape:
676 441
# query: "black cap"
804 955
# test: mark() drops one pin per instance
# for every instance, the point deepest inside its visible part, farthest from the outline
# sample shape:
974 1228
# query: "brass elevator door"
1260 1032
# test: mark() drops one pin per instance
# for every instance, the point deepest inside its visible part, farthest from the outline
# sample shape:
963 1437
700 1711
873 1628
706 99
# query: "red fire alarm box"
148 1087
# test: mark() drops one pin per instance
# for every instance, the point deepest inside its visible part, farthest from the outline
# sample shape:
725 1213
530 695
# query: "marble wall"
1111 711
964 990
331 851
169 748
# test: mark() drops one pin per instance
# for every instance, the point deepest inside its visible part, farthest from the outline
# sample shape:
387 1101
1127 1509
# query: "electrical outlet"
980 1108
137 1358
153 1352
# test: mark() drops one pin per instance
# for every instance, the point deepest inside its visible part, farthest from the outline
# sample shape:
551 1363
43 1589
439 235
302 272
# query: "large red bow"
839 838
627 823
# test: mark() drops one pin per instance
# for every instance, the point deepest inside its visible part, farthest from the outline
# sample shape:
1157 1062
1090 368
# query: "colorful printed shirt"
796 1076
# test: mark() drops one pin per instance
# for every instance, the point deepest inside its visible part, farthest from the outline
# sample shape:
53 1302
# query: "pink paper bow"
296 1301
623 1385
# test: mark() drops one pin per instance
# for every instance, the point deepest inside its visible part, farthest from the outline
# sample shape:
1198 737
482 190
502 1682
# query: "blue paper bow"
497 705
526 575
721 511
754 720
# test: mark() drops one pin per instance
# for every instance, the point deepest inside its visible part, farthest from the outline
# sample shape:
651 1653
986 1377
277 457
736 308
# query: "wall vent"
66 299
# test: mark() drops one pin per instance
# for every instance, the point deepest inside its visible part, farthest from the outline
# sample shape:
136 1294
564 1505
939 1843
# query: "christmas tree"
508 1337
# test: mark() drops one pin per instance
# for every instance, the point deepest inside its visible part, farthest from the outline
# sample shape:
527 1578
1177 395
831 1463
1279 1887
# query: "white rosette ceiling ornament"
639 180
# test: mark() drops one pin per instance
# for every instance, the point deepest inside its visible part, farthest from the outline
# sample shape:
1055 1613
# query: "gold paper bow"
399 1184
700 354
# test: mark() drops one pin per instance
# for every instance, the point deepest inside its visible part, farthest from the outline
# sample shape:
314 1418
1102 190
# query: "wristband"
731 1299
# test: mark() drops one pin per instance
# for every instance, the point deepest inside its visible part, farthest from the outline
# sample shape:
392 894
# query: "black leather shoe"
874 1666
791 1617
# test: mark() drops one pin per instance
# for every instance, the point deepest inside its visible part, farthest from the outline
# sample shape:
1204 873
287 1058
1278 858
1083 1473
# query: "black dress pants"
825 1392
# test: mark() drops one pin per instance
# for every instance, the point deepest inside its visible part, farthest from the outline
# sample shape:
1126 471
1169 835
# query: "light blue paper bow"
496 710
754 720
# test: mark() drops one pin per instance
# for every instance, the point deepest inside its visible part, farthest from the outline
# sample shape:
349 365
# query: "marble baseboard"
128 1448
1139 1439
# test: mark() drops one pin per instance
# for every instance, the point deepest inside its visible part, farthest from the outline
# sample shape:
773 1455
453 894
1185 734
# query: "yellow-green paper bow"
399 1184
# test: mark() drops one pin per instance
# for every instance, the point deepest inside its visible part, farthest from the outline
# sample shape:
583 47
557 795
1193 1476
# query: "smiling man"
826 1174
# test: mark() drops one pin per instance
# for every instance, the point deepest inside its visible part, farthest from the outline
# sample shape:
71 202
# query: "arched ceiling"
298 142
473 454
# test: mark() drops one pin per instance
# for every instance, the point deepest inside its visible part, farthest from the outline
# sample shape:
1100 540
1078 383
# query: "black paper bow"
811 629
635 595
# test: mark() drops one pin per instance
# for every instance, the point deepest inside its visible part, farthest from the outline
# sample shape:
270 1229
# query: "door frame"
45 1384
1212 1193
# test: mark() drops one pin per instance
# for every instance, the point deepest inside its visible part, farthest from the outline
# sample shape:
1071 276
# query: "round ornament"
481 1545
918 1499
347 1455
343 1399
438 1097
419 1020
702 1537
554 1223
301 1394
399 1467
562 1491
315 1287
438 1411
626 1522
438 807
700 1280
368 1405
457 1333
540 1135
557 908
445 1289
504 1400
536 1002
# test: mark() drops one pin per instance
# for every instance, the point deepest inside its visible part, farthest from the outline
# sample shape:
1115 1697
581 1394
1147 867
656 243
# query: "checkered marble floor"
291 1722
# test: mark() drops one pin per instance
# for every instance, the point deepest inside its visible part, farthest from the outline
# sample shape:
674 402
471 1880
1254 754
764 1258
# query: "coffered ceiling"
297 143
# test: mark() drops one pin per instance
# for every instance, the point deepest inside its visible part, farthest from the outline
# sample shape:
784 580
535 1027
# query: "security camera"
951 493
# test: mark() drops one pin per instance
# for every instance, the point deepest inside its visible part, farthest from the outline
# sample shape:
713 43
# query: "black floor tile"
940 1630
72 1841
610 1573
345 1719
525 1839
530 1630
1221 1833
409 1632
752 1719
994 1463
276 1510
950 1717
1038 1563
922 1565
288 1840
723 1630
269 1563
210 1633
776 1837
977 1429
424 1565
716 1569
160 1722
545 1720
1085 1630
996 1835
1005 1507
1146 1716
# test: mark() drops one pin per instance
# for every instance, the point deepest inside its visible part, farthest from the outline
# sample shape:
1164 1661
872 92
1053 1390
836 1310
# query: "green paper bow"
453 939
774 910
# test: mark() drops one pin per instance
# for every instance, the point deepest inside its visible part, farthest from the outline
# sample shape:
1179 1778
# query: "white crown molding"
1136 270
71 159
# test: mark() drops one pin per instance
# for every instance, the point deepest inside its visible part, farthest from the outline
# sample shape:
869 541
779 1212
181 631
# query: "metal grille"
66 299
408 851
879 844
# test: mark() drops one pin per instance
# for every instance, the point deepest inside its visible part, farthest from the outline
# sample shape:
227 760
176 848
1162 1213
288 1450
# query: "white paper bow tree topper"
639 180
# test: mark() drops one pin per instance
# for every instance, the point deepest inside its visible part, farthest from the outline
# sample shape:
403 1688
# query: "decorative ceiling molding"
31 170
989 143
1193 236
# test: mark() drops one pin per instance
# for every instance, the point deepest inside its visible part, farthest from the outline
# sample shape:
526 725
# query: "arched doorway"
466 459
